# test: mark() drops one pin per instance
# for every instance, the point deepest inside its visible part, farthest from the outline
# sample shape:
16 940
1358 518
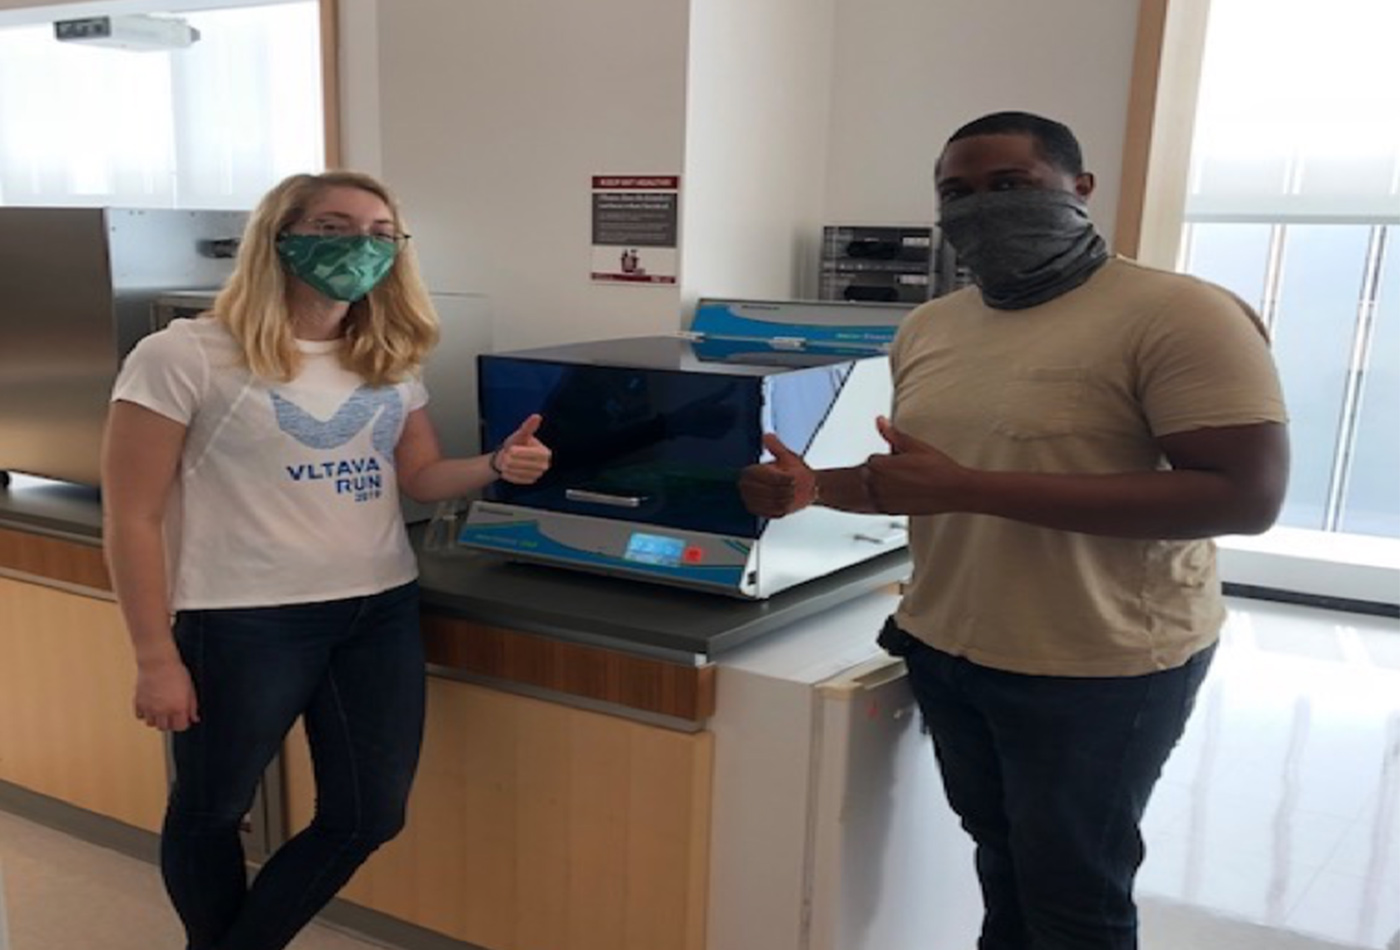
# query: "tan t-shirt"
1083 384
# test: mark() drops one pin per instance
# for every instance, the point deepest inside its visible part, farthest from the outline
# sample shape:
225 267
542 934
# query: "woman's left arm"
424 475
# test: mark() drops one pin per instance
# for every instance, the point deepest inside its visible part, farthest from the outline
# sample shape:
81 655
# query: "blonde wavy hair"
388 333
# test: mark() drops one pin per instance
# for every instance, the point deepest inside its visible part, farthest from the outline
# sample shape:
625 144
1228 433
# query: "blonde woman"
251 471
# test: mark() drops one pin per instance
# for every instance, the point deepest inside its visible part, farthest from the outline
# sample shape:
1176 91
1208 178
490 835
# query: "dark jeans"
354 669
1050 776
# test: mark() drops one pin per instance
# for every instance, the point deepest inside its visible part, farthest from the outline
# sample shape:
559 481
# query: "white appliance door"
889 866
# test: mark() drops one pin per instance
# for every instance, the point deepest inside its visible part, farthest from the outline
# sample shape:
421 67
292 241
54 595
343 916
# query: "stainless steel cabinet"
76 287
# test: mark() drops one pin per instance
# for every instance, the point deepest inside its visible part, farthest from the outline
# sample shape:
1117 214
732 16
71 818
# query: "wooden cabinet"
534 824
66 723
538 826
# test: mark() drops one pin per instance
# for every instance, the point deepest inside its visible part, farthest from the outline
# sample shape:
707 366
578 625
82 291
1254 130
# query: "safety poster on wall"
635 228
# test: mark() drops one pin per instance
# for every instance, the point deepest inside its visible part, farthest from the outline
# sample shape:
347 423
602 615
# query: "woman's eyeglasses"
339 227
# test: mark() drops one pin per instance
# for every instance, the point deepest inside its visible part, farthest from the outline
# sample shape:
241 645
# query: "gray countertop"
58 509
627 614
605 611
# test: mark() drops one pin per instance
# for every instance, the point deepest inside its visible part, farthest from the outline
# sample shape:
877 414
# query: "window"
1262 152
211 126
1293 202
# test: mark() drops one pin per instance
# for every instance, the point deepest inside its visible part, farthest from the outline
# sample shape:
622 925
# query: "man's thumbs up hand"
914 478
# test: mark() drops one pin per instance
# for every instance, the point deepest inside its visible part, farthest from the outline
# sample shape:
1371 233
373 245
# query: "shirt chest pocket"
1041 402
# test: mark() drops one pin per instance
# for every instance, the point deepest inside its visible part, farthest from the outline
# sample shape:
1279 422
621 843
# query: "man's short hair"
1055 142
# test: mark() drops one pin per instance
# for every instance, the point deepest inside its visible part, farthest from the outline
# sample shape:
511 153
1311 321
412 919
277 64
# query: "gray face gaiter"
1025 246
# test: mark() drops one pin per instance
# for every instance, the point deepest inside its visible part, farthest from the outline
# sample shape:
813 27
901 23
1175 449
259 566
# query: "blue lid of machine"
801 323
716 357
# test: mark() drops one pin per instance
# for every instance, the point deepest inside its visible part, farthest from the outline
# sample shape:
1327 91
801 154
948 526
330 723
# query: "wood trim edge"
1160 129
683 691
1142 115
330 81
45 558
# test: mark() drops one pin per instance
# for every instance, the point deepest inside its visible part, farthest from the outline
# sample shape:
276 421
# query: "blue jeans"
1050 775
354 669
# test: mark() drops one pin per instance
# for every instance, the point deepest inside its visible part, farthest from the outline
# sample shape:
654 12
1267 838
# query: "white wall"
492 119
907 73
489 119
758 100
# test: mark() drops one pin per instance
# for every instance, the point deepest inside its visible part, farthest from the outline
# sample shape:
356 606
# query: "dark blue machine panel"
653 430
665 447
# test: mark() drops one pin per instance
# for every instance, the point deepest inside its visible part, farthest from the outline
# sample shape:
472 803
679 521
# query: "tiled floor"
1278 817
64 894
1275 827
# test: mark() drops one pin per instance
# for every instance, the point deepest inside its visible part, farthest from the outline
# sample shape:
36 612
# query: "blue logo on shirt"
349 420
360 477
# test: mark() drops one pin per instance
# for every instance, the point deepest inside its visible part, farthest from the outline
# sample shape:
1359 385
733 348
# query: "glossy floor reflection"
60 893
1277 821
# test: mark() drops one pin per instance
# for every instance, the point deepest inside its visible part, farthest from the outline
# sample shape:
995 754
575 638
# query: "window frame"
330 80
1162 100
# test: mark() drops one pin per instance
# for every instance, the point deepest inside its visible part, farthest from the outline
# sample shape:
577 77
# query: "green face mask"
341 267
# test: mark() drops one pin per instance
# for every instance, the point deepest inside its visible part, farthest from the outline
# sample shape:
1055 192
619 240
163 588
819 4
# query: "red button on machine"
693 555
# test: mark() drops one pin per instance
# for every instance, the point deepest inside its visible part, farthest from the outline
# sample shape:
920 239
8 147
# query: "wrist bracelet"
492 462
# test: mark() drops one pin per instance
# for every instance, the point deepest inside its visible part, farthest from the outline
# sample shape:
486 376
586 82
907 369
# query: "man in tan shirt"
1067 435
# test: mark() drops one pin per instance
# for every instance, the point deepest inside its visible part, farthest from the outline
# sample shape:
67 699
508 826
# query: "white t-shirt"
286 491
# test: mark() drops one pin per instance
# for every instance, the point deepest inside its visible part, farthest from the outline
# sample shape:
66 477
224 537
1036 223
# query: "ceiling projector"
135 31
